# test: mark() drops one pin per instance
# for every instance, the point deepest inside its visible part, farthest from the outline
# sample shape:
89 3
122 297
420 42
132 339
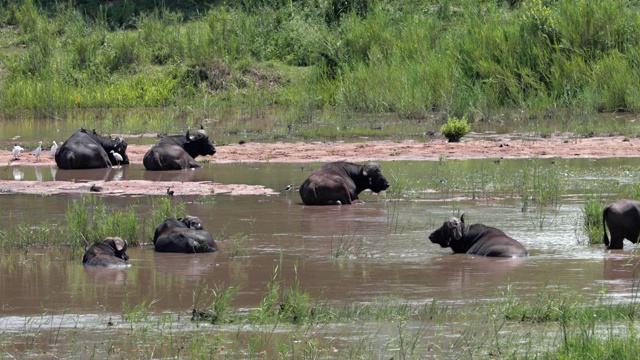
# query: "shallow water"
385 250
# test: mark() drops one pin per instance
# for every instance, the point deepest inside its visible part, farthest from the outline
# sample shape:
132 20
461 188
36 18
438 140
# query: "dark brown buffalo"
339 183
88 150
623 220
476 239
183 236
112 251
177 152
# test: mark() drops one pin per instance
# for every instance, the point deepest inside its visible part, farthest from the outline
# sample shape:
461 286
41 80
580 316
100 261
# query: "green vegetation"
317 69
552 325
454 129
592 219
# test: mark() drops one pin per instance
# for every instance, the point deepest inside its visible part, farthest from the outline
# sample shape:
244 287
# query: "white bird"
116 156
38 151
287 188
16 151
54 149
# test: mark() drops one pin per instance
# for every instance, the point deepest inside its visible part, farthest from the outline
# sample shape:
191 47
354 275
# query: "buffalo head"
192 222
377 182
451 230
199 143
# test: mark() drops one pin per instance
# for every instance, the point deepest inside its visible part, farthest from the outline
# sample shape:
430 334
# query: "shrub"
455 129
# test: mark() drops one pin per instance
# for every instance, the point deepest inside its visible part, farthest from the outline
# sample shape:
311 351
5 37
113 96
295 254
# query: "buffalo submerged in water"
183 236
88 150
476 239
339 183
111 252
177 152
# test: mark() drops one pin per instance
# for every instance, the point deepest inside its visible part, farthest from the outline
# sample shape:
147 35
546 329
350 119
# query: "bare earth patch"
504 148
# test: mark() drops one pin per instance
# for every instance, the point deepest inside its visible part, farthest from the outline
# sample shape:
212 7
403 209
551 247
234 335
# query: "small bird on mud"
287 188
16 151
54 149
169 192
38 151
117 156
95 188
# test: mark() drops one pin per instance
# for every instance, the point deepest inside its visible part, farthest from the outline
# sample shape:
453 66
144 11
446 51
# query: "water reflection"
105 275
103 174
38 174
18 174
174 175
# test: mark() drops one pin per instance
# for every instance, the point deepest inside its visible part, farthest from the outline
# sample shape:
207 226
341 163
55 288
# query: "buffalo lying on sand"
476 239
622 217
183 236
177 152
111 252
339 183
88 150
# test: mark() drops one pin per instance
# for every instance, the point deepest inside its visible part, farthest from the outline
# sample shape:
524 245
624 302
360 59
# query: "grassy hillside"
310 58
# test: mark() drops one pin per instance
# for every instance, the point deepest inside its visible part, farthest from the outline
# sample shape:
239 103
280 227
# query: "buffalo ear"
370 169
189 134
455 226
120 244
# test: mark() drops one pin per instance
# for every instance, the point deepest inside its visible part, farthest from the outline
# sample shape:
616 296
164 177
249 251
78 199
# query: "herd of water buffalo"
336 183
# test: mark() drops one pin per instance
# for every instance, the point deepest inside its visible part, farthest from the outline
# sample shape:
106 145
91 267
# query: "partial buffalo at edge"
622 217
339 183
476 239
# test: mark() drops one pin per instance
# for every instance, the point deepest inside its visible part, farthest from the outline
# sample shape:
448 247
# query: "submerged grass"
552 325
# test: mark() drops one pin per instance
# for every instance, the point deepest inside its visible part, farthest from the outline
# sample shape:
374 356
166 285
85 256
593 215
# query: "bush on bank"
462 58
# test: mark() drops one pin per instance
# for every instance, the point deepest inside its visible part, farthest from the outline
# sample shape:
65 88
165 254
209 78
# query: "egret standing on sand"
54 149
38 151
16 151
117 156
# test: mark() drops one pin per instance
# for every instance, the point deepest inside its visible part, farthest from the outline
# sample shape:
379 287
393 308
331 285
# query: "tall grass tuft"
213 305
89 221
592 219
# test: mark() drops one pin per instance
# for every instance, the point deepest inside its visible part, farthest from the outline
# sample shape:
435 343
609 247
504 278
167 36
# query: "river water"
358 253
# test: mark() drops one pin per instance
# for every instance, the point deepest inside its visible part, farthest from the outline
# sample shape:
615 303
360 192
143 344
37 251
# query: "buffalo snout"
379 184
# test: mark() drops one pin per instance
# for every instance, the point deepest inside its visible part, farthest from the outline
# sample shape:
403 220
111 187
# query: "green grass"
328 75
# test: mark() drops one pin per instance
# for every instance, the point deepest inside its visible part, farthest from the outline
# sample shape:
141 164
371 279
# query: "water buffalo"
177 152
339 183
623 220
183 236
476 239
111 252
88 150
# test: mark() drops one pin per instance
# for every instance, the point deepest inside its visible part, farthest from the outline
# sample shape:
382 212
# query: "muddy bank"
505 148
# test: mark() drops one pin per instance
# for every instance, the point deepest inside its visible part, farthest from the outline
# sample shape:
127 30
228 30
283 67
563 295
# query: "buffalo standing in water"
177 152
623 220
339 183
183 236
111 252
476 239
88 150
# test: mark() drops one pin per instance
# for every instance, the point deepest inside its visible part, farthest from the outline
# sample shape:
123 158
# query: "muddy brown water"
385 250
